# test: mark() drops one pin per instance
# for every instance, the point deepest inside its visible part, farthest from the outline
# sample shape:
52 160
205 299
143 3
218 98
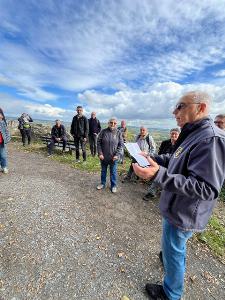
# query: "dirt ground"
63 239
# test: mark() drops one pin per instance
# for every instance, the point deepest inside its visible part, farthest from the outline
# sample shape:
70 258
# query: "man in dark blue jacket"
58 134
191 179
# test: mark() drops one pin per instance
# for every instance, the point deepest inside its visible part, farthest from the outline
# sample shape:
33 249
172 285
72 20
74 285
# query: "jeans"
3 155
113 172
174 259
52 144
93 143
79 141
26 133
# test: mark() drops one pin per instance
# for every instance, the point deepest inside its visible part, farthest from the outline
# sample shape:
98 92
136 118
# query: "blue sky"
129 59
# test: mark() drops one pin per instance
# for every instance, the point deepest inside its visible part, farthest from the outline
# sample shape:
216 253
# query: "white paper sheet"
134 151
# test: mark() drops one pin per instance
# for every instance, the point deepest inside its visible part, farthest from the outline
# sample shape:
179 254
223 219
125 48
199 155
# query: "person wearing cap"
58 134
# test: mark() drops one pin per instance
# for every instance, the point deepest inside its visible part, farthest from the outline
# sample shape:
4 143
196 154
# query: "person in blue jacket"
191 179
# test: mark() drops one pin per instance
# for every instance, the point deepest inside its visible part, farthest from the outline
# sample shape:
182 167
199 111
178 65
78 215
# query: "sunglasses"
218 122
112 123
181 105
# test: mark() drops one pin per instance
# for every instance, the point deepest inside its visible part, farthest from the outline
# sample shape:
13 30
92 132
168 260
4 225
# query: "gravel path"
63 239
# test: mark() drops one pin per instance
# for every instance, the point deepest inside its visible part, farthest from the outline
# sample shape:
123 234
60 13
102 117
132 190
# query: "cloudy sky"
123 58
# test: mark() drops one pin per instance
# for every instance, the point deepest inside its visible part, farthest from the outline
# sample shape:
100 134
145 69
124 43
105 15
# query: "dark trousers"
93 143
26 133
79 141
52 144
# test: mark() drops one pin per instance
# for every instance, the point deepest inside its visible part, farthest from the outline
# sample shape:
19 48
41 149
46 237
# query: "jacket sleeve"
63 133
72 127
53 132
86 126
99 143
120 144
162 160
205 172
30 119
161 148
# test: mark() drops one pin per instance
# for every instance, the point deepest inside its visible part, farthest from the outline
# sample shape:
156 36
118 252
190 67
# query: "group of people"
189 168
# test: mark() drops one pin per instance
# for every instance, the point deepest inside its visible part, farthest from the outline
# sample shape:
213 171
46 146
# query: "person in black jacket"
79 130
58 134
94 129
167 145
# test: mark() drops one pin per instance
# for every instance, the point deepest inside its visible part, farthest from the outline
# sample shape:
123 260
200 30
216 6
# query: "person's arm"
99 145
53 133
161 148
63 132
205 172
72 127
120 145
30 119
86 128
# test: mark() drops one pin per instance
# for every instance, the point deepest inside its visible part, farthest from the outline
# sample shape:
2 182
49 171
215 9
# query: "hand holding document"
135 151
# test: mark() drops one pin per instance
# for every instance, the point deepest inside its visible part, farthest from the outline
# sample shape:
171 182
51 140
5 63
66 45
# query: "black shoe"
148 196
156 291
161 257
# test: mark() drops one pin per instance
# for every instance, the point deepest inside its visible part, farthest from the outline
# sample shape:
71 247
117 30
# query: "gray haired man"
191 179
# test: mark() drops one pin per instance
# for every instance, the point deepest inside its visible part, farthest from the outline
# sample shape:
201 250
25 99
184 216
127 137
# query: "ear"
202 107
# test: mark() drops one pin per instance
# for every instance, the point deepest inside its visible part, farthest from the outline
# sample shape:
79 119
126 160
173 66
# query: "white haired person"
109 145
25 128
4 139
220 121
191 179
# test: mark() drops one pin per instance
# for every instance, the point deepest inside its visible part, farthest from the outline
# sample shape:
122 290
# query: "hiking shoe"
148 196
114 189
156 291
5 171
100 187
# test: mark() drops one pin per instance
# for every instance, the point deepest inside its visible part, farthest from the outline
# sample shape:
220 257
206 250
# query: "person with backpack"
4 139
25 128
109 145
146 144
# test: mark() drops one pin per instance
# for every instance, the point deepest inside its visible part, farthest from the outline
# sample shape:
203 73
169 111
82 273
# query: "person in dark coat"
79 130
58 134
167 145
110 145
191 178
94 129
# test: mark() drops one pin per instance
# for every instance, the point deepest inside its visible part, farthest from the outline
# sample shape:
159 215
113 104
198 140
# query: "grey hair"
220 116
113 119
198 97
175 129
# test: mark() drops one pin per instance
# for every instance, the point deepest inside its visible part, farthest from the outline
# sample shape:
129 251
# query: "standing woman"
4 139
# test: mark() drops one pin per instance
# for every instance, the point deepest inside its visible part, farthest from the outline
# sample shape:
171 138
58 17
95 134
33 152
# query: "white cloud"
155 104
220 73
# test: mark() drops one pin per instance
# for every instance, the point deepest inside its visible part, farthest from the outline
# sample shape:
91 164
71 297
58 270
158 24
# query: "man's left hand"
146 173
85 140
115 158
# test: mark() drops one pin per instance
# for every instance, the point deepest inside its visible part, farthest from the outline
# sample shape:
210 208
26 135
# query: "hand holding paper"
135 152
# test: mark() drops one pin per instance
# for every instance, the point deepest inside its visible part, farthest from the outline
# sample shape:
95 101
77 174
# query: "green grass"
91 165
214 236
222 194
